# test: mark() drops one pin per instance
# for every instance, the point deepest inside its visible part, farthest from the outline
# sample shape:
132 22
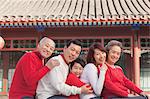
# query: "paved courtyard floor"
3 97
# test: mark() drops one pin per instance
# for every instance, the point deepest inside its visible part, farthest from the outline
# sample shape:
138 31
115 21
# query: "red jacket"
117 84
73 80
29 70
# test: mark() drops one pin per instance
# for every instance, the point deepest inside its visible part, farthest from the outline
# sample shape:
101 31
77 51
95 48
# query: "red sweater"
73 80
29 70
117 84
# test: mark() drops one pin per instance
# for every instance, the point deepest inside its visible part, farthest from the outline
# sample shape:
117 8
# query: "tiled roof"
74 12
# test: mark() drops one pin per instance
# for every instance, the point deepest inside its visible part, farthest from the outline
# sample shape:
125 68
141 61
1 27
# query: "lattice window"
14 58
145 43
10 76
85 42
20 43
60 43
24 43
7 44
145 60
145 71
144 79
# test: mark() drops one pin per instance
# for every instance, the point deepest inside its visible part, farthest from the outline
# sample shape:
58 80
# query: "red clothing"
29 70
73 80
117 84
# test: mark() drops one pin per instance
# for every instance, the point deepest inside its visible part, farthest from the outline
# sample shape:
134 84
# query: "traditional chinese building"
24 22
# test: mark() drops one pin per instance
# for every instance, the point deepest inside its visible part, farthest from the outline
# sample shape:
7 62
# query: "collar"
98 68
99 65
62 55
38 54
111 66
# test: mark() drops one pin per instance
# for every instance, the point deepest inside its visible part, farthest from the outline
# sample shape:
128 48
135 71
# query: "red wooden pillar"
5 57
136 58
129 66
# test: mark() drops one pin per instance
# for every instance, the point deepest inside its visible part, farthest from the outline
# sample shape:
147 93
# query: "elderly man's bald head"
46 40
46 47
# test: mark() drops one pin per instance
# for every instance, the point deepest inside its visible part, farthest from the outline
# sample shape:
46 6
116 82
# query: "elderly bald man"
30 69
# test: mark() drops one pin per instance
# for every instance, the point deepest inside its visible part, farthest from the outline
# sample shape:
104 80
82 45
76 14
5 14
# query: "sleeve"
112 87
74 80
96 83
130 85
57 81
30 72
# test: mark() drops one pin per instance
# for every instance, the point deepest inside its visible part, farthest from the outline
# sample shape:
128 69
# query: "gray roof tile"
73 10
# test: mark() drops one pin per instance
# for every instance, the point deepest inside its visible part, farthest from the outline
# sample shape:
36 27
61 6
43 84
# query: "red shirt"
73 80
29 70
117 84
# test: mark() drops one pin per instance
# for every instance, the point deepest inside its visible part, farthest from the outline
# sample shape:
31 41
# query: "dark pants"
98 97
136 97
28 97
58 97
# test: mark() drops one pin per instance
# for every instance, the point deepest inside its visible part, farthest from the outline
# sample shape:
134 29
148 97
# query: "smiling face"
77 69
99 56
46 47
71 52
114 54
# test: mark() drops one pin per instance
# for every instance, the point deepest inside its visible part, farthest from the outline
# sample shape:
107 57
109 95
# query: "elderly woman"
94 71
116 83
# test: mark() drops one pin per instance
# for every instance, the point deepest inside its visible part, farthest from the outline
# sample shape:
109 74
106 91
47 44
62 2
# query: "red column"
136 59
5 57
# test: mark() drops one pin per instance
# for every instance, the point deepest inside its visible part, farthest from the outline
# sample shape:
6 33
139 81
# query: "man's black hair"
74 41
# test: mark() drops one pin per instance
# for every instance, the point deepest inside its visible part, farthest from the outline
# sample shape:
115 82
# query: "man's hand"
52 63
86 89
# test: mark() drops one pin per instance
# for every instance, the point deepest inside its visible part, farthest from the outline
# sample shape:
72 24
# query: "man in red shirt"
30 69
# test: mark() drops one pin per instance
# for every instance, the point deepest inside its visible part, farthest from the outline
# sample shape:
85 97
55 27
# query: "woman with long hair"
94 71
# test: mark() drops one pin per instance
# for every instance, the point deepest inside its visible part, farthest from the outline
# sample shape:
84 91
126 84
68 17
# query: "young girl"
73 78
